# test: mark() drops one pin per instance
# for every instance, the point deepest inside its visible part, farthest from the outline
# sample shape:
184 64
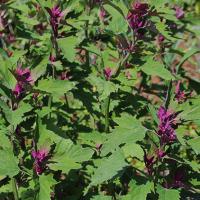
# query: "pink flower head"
161 38
137 17
107 73
55 16
166 125
179 12
40 157
17 90
180 96
23 75
24 78
52 58
102 14
160 153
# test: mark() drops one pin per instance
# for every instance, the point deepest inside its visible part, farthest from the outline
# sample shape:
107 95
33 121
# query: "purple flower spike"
55 16
108 73
179 12
137 17
40 157
180 96
24 78
166 125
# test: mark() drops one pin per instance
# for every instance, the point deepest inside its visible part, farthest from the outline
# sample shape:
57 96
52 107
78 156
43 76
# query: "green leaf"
129 130
92 138
133 150
166 194
108 168
157 3
138 192
104 88
190 110
153 113
195 144
46 182
118 23
162 28
9 163
55 87
193 164
101 197
67 46
7 78
189 53
69 156
17 116
40 69
154 68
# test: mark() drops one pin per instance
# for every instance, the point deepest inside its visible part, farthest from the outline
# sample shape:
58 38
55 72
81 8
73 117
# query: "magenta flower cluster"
137 17
55 16
24 79
179 12
167 122
40 157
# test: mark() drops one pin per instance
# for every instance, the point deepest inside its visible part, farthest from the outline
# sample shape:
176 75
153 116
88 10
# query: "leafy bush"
99 100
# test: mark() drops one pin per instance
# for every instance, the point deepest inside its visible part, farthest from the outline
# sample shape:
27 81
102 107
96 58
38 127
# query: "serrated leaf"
165 194
101 197
104 88
129 130
118 23
67 46
46 182
55 87
7 78
69 156
187 55
92 138
190 112
162 28
138 192
195 144
9 163
154 68
133 150
40 69
17 116
108 168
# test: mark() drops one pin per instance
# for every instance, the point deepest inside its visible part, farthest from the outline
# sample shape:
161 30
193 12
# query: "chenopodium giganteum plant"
99 100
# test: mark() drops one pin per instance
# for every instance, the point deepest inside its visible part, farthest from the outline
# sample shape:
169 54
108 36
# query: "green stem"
168 96
121 64
14 188
49 104
107 105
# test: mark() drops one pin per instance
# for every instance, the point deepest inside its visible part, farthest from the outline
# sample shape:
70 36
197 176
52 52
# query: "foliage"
99 99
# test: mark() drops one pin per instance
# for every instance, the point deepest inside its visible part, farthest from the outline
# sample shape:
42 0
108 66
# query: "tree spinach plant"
99 99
